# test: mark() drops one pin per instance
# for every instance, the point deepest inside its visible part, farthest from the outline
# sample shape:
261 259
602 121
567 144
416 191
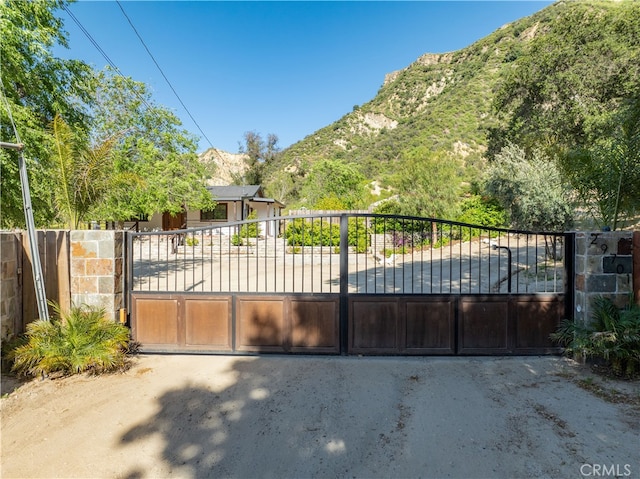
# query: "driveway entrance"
350 284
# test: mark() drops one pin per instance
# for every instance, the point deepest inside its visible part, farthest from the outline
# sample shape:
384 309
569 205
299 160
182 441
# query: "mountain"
446 103
441 100
226 166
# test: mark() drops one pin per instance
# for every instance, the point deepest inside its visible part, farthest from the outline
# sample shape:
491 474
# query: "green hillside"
446 103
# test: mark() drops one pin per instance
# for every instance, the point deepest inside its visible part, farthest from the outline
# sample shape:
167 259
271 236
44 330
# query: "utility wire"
117 70
104 54
162 73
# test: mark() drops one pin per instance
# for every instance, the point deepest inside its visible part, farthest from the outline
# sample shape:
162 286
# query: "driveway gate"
350 284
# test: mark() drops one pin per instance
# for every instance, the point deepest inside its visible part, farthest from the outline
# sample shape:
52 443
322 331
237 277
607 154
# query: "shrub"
248 230
236 240
480 211
82 340
358 235
302 232
192 241
612 335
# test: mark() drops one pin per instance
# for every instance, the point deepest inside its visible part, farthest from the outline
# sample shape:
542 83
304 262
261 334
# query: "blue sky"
288 68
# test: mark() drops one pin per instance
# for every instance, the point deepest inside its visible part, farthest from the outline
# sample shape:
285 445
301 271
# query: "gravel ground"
310 416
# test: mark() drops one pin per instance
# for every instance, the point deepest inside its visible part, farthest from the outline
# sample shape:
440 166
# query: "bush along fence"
86 267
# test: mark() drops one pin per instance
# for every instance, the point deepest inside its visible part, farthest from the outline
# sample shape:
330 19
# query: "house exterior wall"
234 213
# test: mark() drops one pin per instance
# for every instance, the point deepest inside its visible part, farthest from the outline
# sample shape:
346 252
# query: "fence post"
344 283
636 266
570 275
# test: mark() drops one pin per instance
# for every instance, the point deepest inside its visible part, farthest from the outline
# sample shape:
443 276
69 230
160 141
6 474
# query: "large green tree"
36 86
154 159
260 154
429 183
606 173
333 179
530 188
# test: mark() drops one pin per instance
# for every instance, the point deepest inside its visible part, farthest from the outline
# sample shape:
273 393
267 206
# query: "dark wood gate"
350 284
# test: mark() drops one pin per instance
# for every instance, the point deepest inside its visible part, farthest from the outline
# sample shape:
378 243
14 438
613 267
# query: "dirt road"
299 417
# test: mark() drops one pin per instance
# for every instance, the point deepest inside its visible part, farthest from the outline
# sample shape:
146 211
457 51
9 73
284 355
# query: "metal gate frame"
344 321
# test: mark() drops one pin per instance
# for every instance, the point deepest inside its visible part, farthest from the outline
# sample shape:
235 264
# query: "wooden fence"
53 246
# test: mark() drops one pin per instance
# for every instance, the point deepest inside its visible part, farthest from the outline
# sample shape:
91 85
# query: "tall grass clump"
82 340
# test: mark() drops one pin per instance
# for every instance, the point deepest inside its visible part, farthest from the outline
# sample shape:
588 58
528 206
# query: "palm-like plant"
82 340
82 172
612 334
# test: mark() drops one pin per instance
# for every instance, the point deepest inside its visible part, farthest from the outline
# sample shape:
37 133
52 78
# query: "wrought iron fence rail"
383 254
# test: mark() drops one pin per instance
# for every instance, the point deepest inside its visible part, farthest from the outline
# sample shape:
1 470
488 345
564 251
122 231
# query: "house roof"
235 192
238 193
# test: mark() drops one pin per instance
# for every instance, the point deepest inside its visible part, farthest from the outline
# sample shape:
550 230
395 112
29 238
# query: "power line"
104 54
117 70
162 73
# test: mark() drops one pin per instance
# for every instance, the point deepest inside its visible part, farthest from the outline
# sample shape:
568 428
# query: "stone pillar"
97 270
604 267
10 287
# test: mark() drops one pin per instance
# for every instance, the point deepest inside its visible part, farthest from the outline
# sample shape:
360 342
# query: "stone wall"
10 288
604 267
97 269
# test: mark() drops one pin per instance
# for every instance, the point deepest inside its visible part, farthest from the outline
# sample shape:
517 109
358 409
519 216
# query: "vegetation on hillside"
562 82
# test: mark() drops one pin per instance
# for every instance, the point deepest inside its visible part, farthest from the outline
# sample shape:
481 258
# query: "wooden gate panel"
536 317
484 325
402 325
314 325
374 325
208 322
156 321
260 324
430 326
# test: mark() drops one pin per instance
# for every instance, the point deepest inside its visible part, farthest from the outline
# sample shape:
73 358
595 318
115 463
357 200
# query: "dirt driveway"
299 417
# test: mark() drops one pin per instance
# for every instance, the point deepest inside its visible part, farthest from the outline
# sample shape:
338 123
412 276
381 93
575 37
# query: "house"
233 203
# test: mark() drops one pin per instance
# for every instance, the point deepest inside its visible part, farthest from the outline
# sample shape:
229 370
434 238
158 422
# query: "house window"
217 214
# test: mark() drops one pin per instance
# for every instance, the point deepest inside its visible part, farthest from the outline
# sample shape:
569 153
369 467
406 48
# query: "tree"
333 179
259 155
606 174
530 189
153 158
82 173
35 86
429 183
